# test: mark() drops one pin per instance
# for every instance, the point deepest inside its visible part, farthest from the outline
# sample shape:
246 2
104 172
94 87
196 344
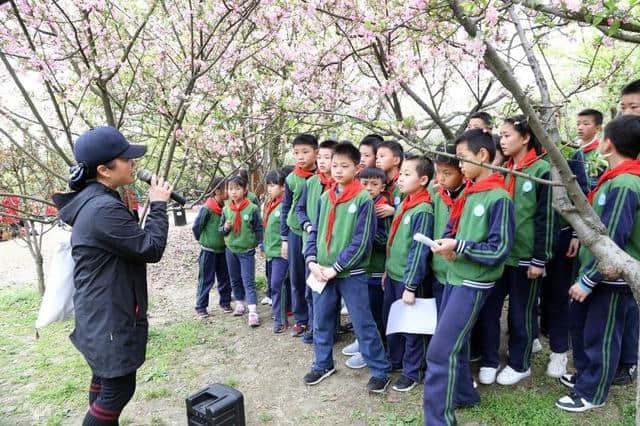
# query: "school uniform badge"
352 208
478 210
602 199
527 186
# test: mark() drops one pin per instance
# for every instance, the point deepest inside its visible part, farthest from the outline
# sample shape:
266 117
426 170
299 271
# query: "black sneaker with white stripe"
404 384
378 385
573 403
314 377
569 380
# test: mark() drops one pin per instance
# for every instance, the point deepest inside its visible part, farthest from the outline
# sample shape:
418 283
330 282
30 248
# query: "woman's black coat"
110 252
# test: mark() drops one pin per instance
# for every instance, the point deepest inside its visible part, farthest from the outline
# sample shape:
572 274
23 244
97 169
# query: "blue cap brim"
134 151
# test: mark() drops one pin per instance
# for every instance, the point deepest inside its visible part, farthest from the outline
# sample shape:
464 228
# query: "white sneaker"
266 301
487 375
536 346
509 376
344 312
356 362
575 404
557 366
351 349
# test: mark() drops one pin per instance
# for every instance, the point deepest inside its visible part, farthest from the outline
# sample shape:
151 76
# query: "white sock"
253 308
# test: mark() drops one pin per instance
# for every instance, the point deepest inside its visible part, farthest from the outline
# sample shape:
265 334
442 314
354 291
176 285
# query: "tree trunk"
39 271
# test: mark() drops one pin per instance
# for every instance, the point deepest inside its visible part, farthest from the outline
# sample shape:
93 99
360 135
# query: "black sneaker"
226 309
575 404
202 314
307 338
378 385
569 380
279 328
404 384
314 377
626 374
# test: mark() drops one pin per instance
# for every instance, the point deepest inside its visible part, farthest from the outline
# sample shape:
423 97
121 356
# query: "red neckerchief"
302 172
382 200
324 181
590 146
213 205
409 202
237 222
496 180
630 166
269 207
391 185
348 192
530 158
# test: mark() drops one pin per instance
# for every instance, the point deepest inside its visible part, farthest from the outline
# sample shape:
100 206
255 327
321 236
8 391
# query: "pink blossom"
573 5
492 15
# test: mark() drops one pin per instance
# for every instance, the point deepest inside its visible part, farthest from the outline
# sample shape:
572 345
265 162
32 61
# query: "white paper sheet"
315 284
420 318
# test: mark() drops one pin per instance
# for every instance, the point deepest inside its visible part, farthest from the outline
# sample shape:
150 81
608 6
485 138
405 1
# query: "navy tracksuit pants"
376 303
597 327
523 298
242 273
211 266
405 350
437 288
278 275
448 383
354 291
297 277
554 294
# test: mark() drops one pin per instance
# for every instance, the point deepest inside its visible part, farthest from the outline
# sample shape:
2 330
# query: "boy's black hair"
306 139
286 170
521 124
496 141
484 116
373 140
328 144
624 134
395 148
424 165
274 177
243 173
593 113
374 173
449 148
348 150
631 88
219 183
238 180
476 139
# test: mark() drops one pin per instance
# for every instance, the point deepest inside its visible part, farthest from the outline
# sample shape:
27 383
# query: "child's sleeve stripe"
543 225
618 215
362 239
418 253
500 239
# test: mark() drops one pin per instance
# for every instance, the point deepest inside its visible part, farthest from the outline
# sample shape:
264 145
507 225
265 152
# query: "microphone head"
144 175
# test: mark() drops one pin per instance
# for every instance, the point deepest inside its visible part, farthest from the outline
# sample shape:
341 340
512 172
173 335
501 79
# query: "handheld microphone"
145 176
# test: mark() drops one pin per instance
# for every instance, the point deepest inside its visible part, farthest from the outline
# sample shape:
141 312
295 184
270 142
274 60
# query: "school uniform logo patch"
352 208
245 217
407 220
478 210
396 201
527 186
277 213
602 199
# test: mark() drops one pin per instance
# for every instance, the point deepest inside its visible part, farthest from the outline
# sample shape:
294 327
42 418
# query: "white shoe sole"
511 382
355 367
556 376
404 389
324 376
578 409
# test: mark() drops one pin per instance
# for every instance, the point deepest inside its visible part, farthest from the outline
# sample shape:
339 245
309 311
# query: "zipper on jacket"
111 335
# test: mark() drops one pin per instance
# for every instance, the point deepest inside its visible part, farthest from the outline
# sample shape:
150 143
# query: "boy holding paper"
407 265
337 252
482 223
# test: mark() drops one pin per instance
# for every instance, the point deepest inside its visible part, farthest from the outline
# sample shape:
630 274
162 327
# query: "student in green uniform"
212 261
242 229
532 249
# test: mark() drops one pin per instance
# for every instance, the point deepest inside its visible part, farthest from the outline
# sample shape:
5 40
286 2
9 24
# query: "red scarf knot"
237 208
348 193
409 202
494 181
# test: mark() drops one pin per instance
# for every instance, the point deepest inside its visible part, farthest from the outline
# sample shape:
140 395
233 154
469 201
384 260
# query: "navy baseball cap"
103 144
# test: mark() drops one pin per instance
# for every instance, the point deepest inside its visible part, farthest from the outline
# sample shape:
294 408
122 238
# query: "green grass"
55 373
261 283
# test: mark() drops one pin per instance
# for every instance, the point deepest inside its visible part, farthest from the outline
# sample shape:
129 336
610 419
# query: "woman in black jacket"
110 252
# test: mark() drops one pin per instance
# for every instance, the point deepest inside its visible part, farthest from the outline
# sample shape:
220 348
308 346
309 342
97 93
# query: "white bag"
57 302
